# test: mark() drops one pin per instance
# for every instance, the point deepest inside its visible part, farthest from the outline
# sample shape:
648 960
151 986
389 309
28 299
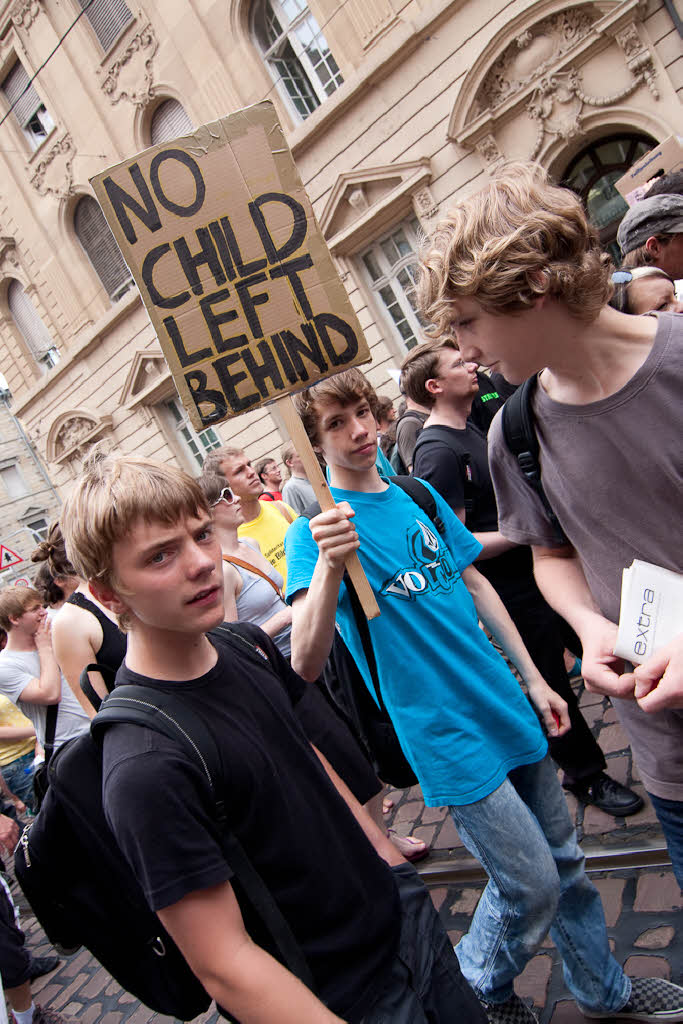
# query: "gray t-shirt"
613 473
17 669
298 493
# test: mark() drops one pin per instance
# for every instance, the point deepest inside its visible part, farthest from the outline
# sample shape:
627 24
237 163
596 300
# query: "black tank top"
113 649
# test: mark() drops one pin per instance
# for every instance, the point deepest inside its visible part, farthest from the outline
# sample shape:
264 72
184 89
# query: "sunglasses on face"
226 495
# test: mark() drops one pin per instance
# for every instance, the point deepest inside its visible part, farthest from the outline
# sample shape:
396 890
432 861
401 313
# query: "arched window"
296 53
30 326
169 120
108 19
100 247
592 174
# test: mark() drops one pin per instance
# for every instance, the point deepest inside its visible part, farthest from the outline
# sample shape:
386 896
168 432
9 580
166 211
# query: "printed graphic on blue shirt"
460 715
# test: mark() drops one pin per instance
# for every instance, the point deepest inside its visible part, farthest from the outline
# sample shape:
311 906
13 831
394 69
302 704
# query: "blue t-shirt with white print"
459 713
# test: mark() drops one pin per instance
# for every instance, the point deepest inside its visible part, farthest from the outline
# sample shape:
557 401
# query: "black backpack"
371 723
519 434
80 886
437 433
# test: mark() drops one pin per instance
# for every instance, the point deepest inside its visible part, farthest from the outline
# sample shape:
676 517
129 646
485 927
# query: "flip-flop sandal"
414 857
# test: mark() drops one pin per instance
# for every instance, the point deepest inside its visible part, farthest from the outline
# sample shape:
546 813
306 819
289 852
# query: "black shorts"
15 959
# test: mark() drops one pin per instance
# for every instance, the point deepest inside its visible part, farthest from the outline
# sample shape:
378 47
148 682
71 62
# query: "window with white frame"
296 53
108 19
169 120
195 446
31 327
389 267
101 248
13 481
27 107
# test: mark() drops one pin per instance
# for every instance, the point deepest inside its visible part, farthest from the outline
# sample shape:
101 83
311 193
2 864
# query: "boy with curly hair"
516 274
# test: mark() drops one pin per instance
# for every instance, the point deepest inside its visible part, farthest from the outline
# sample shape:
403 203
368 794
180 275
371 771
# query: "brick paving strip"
642 905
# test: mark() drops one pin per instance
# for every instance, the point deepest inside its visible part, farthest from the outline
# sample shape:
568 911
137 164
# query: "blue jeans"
523 835
19 777
670 814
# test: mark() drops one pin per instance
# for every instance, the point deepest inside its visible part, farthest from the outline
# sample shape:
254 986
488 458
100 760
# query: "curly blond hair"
515 240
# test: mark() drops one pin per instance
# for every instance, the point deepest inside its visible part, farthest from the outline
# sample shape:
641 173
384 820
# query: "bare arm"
207 926
47 687
314 610
493 543
13 733
76 643
495 617
379 839
562 582
276 623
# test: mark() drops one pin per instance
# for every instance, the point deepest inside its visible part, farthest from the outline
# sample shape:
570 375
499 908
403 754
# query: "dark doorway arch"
592 174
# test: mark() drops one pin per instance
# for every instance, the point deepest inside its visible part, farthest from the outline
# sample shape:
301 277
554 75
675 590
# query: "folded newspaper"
651 611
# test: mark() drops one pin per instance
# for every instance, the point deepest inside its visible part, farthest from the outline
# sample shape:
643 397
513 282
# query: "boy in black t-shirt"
142 534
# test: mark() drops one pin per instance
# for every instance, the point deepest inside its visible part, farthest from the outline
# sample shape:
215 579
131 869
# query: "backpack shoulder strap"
234 560
519 433
422 497
284 511
108 675
443 434
169 715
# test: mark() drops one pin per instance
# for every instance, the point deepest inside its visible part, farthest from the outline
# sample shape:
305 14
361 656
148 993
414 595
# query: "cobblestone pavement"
642 906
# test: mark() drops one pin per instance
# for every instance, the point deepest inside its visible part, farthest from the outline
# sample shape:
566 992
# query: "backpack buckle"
528 465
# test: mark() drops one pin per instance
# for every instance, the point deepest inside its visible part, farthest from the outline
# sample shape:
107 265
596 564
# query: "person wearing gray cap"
651 234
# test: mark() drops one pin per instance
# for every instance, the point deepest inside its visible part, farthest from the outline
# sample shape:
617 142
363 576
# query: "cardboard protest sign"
221 239
666 157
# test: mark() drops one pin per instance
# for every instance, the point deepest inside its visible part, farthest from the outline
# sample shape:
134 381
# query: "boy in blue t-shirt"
462 719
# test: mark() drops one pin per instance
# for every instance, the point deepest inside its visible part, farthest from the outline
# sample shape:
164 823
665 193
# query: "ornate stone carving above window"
149 380
131 76
25 12
73 433
538 76
365 202
53 176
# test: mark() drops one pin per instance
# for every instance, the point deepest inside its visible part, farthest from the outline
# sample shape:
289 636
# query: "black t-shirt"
486 402
338 896
465 473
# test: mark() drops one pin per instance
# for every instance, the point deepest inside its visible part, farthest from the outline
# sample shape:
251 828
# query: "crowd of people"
146 562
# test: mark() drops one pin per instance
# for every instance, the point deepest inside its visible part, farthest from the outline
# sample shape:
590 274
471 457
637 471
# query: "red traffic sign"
8 557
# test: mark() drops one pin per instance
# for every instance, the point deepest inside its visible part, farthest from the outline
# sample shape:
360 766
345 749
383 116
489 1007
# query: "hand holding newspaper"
651 612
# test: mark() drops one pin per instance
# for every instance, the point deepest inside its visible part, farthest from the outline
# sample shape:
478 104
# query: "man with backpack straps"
142 534
607 415
451 453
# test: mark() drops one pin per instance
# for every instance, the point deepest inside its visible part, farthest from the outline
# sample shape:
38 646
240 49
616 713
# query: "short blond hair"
14 601
515 240
345 388
214 460
420 365
111 496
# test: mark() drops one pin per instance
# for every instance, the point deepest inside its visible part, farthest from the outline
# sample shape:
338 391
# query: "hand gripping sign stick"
221 239
316 477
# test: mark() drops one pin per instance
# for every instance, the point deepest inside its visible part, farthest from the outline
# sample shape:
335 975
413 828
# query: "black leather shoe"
41 965
607 794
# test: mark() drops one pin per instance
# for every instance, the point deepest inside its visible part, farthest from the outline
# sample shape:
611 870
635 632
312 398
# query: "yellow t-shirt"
269 529
10 750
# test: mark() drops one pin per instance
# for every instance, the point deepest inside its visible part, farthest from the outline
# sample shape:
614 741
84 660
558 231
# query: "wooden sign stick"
299 437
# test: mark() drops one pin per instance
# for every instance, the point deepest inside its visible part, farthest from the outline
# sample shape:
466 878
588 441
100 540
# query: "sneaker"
41 965
607 794
651 999
513 1011
44 1015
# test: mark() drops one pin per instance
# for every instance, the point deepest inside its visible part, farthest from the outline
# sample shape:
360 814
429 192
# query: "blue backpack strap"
519 433
169 715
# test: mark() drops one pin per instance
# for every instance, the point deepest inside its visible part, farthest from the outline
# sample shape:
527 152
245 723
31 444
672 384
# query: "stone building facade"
28 501
391 107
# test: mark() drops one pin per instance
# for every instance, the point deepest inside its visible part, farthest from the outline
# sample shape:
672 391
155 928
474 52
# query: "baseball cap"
658 215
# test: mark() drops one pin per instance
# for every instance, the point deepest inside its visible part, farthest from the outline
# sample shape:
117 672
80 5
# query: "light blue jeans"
523 835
